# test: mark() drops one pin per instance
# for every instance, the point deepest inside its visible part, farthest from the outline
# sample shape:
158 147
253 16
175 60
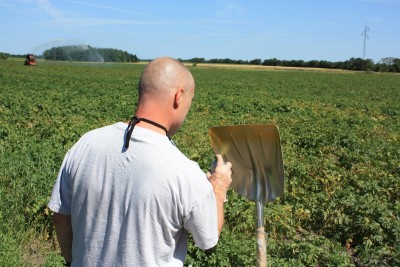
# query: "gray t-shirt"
133 207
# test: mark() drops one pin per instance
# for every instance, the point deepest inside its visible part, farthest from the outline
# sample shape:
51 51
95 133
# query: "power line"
366 36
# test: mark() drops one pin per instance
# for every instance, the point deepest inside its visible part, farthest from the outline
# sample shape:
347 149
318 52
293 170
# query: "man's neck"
150 126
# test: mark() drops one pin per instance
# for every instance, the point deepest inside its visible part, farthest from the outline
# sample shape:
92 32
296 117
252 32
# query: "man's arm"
220 180
63 227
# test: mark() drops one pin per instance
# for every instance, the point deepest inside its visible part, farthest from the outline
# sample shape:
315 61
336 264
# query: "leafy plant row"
340 142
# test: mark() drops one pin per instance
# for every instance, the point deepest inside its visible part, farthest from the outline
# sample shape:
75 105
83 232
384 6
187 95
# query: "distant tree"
271 62
387 60
338 65
312 64
227 61
324 64
88 53
198 60
389 64
396 65
3 55
369 64
214 60
380 67
256 61
355 64
297 63
358 64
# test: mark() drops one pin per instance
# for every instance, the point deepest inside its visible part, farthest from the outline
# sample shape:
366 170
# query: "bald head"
166 90
162 77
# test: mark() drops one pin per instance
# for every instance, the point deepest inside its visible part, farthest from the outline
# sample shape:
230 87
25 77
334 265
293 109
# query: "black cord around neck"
135 120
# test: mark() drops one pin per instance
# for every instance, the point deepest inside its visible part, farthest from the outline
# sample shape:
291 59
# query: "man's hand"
220 180
221 177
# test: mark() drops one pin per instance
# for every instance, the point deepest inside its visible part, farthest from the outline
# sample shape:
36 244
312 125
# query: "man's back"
121 204
129 207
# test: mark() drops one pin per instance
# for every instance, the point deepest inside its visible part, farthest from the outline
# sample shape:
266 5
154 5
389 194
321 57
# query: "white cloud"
215 29
231 9
88 22
60 18
109 8
48 8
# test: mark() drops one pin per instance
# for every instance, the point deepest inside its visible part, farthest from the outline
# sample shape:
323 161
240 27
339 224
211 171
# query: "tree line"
389 64
91 54
88 53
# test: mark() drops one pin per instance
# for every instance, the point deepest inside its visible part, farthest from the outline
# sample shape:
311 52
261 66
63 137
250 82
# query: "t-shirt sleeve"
60 200
202 222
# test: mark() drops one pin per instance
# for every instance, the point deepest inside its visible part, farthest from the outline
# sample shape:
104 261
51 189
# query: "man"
126 196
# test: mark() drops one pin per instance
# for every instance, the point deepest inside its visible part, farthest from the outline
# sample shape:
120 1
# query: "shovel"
257 168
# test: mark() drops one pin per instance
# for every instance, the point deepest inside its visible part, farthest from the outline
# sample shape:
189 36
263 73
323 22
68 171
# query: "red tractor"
30 60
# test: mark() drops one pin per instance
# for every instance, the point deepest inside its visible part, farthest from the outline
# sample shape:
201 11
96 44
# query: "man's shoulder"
99 137
101 131
107 128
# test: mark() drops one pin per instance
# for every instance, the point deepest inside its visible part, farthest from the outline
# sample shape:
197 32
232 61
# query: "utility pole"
364 33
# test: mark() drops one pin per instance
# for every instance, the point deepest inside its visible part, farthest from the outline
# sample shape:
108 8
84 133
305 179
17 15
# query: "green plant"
340 143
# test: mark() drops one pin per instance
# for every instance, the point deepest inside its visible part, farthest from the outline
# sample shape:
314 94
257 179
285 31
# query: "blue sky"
237 29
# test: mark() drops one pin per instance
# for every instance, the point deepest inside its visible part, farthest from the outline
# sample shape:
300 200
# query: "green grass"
340 143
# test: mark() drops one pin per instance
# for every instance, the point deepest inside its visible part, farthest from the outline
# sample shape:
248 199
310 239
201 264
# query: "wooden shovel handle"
261 248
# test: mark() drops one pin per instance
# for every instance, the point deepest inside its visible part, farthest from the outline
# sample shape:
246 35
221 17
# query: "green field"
340 135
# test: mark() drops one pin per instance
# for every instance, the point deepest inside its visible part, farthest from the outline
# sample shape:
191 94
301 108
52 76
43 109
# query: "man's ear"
178 97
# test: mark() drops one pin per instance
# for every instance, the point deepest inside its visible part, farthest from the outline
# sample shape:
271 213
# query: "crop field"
340 136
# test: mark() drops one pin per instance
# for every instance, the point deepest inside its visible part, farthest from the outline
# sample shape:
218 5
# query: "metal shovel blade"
256 157
257 168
